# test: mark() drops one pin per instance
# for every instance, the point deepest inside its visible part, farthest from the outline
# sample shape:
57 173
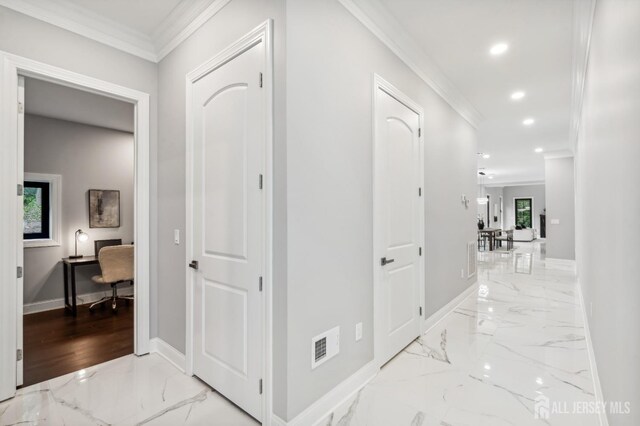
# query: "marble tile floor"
508 352
130 390
516 343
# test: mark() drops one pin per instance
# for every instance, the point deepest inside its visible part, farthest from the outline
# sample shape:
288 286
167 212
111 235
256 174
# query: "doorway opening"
44 191
78 307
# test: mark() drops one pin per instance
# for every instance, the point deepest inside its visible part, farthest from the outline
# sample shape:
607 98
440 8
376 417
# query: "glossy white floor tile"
125 391
516 343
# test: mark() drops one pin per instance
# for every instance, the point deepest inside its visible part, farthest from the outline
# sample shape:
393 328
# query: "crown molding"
178 30
183 21
583 12
377 19
81 21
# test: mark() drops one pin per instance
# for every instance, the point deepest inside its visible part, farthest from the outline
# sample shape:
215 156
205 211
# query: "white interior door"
228 228
20 245
399 212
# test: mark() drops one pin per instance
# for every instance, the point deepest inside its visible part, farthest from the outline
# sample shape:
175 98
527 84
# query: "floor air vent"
325 346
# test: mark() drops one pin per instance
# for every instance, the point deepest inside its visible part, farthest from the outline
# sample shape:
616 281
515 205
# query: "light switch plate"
358 332
555 221
176 236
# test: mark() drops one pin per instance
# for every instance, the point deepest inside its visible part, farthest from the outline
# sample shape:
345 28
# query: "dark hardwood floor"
56 343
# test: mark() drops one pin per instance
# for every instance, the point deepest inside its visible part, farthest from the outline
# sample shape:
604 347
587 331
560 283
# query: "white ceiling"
65 103
457 36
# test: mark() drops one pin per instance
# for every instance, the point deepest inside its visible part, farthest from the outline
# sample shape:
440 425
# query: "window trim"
55 209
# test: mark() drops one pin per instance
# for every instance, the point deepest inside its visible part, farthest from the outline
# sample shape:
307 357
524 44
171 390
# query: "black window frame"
45 233
515 206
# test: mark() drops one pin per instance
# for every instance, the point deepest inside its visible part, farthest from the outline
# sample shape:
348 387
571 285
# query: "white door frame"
261 34
380 83
11 66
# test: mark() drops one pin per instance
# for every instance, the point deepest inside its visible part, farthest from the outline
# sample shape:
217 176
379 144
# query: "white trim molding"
168 352
437 316
183 21
334 399
81 299
597 387
583 12
11 67
375 17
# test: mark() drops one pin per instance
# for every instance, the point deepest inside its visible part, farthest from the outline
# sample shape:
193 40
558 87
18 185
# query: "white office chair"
116 263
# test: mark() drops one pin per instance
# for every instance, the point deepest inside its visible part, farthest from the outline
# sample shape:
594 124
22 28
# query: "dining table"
490 234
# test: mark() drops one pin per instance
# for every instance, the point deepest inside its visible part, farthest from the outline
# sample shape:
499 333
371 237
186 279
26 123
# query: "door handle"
385 261
194 264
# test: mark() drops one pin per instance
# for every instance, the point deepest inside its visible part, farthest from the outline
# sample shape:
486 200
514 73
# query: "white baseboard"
277 421
434 319
48 305
168 352
337 396
592 361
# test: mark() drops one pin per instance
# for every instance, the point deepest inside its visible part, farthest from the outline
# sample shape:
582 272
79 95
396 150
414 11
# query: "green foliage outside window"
32 210
524 212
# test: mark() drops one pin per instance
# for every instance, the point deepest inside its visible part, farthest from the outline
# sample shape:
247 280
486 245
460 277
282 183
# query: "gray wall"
608 201
331 59
560 197
46 43
232 22
523 191
87 157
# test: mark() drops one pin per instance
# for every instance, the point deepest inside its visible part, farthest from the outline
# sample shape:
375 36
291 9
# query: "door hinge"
260 182
419 251
20 190
260 81
260 283
19 355
20 108
19 272
419 192
419 132
260 386
420 310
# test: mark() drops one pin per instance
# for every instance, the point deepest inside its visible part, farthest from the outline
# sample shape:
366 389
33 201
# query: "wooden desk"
73 264
491 234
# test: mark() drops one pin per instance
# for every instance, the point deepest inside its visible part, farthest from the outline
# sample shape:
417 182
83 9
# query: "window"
37 210
524 212
41 201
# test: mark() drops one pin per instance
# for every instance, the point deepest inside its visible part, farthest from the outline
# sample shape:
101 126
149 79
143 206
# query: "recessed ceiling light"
485 156
517 95
499 49
528 121
490 177
538 150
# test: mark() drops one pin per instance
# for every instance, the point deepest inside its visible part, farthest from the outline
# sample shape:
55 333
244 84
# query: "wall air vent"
472 258
325 346
321 349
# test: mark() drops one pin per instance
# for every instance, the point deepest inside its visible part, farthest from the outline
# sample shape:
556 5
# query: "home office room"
79 223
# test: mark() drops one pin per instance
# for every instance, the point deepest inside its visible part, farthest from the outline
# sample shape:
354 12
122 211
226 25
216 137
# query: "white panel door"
228 228
398 210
